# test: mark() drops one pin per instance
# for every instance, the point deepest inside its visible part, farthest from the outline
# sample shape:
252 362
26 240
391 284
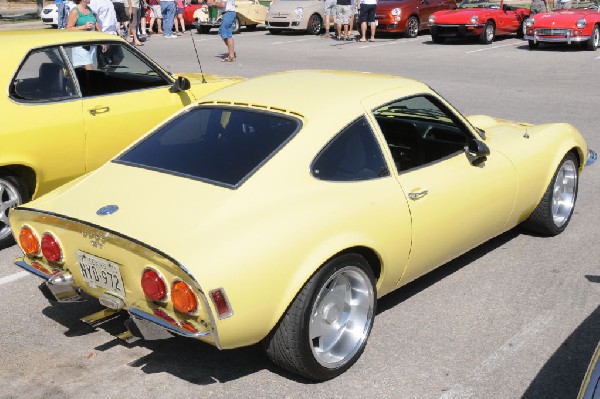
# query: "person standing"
122 17
167 8
62 11
537 6
343 12
105 12
228 16
367 15
329 13
82 18
134 13
155 15
179 21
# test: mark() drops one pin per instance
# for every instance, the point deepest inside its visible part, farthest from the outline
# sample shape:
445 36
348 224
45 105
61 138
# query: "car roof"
321 94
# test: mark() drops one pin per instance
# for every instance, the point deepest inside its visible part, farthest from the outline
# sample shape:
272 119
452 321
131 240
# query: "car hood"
462 16
562 17
289 6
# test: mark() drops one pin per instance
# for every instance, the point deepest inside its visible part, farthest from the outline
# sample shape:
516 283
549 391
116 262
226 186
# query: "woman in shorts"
179 17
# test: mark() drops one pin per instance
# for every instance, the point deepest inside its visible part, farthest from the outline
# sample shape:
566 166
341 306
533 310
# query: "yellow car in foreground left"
287 218
72 101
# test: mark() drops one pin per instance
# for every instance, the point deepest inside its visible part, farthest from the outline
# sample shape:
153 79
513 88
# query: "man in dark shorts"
367 15
122 17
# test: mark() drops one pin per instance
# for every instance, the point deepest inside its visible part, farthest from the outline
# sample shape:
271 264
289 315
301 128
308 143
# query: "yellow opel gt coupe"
289 216
71 101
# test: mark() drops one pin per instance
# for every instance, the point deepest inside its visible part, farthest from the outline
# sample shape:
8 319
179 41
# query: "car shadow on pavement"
563 373
397 297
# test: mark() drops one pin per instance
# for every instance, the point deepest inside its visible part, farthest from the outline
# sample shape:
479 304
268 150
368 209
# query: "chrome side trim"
21 263
136 313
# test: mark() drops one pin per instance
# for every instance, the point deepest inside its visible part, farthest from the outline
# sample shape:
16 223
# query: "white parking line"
14 277
492 48
369 45
295 41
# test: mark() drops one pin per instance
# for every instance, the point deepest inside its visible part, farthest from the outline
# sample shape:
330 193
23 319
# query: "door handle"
418 195
99 110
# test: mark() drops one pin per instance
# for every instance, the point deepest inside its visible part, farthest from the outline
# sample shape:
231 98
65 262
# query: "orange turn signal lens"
189 327
183 297
29 242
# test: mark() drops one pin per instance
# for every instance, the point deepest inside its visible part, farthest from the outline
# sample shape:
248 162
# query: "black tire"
533 45
12 193
274 31
314 25
315 318
437 38
203 29
236 25
412 27
488 34
251 27
521 31
592 42
553 213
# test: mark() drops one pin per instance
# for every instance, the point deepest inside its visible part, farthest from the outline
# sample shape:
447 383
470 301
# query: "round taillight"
28 241
51 248
153 285
183 297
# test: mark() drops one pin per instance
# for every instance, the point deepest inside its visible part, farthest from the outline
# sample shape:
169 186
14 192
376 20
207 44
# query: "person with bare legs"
367 15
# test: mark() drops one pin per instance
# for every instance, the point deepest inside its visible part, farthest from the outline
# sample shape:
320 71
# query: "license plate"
98 272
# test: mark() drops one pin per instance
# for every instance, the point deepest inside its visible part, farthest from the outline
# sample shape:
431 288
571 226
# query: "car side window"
420 130
112 68
352 155
43 77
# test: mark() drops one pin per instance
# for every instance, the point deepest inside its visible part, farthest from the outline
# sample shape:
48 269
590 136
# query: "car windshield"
480 4
221 145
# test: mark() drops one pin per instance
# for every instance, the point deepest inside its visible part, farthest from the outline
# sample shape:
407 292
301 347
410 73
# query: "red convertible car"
408 16
484 19
565 26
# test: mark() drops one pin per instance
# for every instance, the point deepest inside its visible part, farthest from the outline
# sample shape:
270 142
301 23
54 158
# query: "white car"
303 15
50 13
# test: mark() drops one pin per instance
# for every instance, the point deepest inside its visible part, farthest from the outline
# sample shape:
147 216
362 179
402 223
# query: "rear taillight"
221 303
163 315
153 285
183 297
51 248
29 242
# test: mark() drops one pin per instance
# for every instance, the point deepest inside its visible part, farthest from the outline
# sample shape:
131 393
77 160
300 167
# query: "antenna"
197 56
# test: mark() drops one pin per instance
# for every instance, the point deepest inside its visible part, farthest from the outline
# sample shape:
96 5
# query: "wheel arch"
371 256
25 173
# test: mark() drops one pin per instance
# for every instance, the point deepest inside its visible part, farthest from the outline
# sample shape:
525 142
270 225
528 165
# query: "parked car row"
482 19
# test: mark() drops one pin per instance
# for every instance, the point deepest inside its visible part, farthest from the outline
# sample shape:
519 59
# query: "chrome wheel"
412 27
9 198
314 25
594 40
341 317
564 192
489 31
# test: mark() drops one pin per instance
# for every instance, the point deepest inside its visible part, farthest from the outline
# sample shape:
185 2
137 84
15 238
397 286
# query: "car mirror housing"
477 152
180 84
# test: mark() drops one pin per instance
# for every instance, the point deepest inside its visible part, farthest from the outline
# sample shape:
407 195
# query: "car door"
124 95
43 127
507 20
454 204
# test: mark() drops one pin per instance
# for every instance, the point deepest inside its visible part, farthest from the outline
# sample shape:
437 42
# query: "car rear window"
222 145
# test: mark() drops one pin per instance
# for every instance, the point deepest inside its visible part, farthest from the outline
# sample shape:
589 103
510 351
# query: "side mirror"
180 84
477 152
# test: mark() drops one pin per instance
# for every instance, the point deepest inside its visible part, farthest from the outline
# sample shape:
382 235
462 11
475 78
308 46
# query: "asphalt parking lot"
517 317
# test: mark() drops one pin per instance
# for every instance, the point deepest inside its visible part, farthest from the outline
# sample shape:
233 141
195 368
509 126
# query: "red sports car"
408 16
565 26
484 19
